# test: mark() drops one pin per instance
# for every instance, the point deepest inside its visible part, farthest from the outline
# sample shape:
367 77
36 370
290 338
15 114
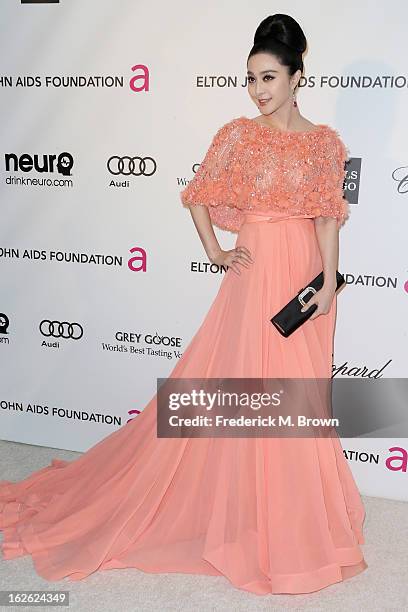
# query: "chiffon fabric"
272 515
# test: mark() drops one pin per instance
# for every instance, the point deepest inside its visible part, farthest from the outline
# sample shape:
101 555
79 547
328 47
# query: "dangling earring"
294 99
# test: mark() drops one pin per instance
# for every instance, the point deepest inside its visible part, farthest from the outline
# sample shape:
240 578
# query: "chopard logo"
400 176
135 166
61 330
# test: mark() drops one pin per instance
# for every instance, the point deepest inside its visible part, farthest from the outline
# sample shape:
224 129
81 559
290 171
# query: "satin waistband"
271 218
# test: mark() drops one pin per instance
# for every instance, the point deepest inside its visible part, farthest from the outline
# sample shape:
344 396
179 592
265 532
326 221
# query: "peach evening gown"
272 515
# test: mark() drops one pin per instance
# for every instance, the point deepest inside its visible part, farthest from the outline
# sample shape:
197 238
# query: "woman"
273 515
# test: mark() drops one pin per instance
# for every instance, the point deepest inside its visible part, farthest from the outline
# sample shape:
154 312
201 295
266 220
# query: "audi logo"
131 165
63 329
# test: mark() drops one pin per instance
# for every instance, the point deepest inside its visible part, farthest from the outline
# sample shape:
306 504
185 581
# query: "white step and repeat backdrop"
106 107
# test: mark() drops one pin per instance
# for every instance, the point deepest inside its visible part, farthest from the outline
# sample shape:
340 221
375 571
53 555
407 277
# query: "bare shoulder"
301 125
304 125
307 125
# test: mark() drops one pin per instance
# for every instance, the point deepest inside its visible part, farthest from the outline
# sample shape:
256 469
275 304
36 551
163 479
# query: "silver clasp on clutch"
305 292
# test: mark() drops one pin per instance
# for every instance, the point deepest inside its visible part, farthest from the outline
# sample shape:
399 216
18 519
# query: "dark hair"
282 36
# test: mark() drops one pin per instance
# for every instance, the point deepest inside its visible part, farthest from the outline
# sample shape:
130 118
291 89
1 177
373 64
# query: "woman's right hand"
233 258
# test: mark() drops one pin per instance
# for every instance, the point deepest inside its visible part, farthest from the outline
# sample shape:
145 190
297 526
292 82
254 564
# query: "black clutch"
290 317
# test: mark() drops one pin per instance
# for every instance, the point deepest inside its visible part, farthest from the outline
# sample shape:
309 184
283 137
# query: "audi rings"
135 166
63 329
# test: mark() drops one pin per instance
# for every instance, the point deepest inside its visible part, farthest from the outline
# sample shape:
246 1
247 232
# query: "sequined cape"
252 167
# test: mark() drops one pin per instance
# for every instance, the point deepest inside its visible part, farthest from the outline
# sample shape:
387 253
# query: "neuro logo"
4 323
61 163
65 163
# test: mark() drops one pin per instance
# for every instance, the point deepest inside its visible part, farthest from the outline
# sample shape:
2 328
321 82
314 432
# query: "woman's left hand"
323 298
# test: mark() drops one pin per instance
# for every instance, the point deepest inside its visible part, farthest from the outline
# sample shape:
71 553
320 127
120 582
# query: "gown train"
272 515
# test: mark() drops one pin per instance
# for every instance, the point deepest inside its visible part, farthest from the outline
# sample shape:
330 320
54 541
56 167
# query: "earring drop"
294 99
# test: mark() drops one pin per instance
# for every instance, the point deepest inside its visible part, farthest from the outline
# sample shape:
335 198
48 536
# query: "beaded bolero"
252 167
